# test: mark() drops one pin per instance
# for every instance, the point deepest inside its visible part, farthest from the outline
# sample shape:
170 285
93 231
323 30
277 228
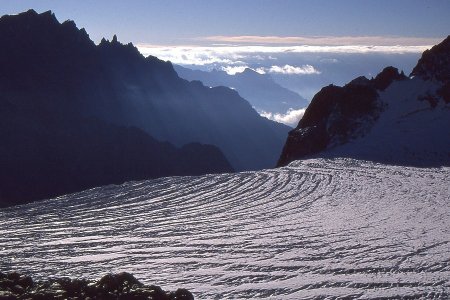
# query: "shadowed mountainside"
65 124
61 66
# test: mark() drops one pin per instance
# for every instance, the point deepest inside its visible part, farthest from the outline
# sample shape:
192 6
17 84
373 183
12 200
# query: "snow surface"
409 131
317 229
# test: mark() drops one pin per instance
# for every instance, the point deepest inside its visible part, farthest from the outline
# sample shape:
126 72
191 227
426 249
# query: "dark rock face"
444 92
337 115
435 63
111 286
386 77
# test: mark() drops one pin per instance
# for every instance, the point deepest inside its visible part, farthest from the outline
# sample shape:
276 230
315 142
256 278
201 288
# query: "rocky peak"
386 77
382 80
32 16
248 70
37 50
116 48
121 56
27 24
333 117
33 31
435 63
361 80
251 75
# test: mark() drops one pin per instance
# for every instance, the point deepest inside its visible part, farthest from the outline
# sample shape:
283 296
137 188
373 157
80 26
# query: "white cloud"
232 70
260 70
290 118
288 69
192 55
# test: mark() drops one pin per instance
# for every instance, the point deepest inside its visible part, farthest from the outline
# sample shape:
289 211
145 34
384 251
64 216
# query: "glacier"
316 229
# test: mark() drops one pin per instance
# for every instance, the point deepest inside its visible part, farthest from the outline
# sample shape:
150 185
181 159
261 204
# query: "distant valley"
260 90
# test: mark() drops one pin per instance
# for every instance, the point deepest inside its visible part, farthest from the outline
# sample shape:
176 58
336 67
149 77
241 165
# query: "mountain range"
391 118
263 93
76 115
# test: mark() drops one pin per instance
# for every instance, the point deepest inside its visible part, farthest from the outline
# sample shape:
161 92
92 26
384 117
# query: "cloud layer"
302 64
288 69
237 55
290 118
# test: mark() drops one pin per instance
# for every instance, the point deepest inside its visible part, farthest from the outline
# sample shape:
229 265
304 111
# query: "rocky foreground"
112 286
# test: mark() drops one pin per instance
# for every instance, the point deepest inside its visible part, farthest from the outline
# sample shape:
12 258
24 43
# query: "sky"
302 44
174 22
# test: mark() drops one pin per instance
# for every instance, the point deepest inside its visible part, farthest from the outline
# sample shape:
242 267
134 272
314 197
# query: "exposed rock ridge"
337 115
435 63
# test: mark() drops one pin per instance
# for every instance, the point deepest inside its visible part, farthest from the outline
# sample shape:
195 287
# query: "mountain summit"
391 118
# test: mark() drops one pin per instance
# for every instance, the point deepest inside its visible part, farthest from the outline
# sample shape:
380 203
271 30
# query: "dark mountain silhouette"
115 83
74 115
173 109
391 118
46 156
260 90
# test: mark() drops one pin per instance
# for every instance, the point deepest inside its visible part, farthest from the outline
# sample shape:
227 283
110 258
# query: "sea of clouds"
301 64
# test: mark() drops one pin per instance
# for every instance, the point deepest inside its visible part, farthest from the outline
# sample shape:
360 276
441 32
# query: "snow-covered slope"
317 229
408 131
